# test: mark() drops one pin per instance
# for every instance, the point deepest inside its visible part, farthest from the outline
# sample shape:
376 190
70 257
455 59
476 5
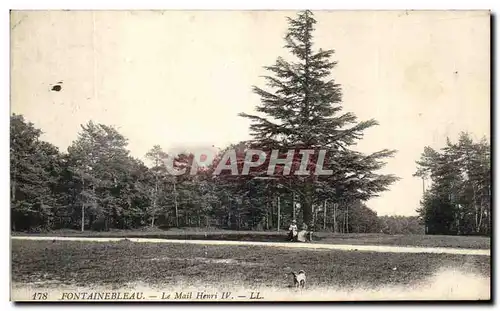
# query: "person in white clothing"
293 230
302 234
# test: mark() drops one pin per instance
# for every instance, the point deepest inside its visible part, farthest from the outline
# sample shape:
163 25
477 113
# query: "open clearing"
115 265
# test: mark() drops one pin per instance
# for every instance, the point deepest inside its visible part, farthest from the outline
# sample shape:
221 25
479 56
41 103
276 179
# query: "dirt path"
361 248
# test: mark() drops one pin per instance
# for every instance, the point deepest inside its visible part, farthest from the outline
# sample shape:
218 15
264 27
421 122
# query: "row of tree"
97 181
458 200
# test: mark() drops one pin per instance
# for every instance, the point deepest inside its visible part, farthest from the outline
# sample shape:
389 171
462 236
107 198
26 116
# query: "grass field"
470 242
84 263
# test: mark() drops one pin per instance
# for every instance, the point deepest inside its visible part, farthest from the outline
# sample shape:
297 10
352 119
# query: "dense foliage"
98 179
458 200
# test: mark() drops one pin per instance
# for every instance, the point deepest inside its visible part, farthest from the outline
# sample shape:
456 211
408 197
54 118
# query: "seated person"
293 229
302 234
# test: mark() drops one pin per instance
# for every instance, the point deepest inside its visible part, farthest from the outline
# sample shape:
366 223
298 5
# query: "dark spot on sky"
56 88
456 72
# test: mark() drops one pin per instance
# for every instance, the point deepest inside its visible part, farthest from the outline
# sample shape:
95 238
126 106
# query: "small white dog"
299 279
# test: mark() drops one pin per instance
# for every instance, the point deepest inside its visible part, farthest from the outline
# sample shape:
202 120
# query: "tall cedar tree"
305 112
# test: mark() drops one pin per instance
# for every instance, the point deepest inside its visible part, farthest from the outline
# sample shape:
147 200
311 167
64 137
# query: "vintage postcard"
247 156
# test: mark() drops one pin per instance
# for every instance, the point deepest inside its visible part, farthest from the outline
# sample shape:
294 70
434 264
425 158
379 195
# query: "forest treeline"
458 200
49 189
98 179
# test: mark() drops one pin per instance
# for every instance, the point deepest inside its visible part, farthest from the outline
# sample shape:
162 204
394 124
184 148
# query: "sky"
179 79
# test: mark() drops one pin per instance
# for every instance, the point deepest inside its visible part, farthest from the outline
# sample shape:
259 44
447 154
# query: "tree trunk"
13 190
477 212
83 216
315 214
267 215
488 211
279 212
13 185
324 215
481 211
307 211
176 207
83 206
155 200
271 213
335 218
347 218
342 227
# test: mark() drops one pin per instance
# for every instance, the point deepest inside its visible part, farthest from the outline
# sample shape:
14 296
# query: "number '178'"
39 296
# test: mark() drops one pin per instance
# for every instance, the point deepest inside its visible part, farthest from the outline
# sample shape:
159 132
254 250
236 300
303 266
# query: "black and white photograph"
250 155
